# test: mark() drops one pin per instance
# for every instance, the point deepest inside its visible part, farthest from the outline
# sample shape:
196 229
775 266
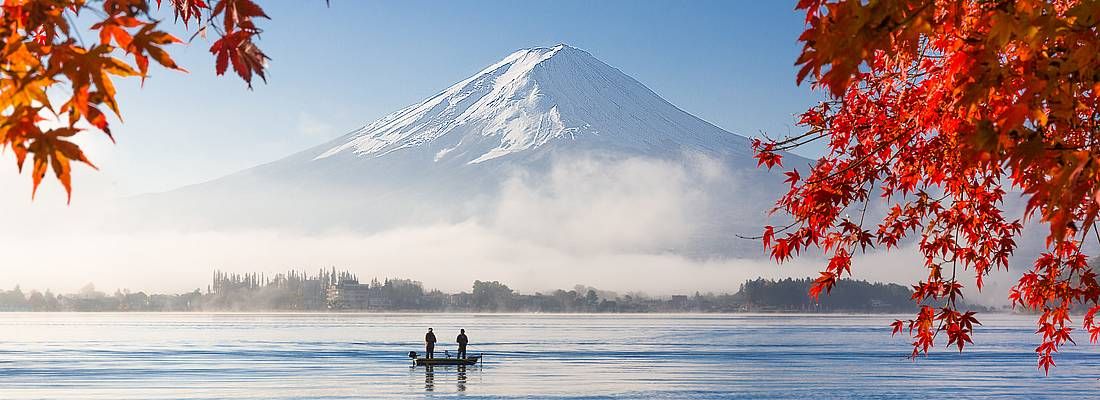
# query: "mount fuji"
535 120
531 99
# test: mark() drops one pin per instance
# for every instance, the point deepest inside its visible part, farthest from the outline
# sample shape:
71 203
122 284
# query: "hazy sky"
337 68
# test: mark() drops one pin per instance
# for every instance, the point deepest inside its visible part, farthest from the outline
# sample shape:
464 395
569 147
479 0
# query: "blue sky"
339 67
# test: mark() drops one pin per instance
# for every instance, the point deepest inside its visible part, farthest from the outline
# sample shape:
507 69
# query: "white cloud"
596 206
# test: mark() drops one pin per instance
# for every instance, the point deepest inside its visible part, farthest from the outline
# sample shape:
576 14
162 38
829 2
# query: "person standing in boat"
429 344
462 341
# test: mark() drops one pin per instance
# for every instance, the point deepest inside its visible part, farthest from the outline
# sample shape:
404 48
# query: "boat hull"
446 361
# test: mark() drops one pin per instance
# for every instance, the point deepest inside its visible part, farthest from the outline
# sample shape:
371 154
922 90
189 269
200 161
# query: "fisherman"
429 344
462 341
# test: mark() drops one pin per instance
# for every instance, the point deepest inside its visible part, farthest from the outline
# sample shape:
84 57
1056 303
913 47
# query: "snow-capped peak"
530 98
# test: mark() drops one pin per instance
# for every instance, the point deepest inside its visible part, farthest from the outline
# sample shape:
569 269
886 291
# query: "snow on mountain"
531 98
548 143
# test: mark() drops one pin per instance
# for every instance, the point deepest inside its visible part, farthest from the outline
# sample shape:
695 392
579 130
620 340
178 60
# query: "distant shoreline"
332 291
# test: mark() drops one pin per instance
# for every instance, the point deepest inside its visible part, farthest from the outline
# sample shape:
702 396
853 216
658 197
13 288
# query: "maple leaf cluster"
53 85
937 107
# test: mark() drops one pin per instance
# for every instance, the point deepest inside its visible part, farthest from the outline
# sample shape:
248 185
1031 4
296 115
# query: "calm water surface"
337 356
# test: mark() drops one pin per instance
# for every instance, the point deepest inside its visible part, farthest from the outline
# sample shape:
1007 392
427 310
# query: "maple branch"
781 230
857 163
954 269
785 145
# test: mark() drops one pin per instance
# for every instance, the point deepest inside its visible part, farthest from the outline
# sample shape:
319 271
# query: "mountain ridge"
528 99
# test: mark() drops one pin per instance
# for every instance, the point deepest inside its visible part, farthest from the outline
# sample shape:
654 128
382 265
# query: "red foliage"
42 53
939 106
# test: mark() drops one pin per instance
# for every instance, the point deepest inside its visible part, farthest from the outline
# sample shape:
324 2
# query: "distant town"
335 291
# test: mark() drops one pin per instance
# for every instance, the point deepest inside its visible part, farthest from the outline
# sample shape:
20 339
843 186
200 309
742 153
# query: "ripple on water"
336 356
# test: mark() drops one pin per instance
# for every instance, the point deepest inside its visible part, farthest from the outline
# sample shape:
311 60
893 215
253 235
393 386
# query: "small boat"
447 360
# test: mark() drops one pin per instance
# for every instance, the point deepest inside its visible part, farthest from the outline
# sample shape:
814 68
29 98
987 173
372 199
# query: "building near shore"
349 294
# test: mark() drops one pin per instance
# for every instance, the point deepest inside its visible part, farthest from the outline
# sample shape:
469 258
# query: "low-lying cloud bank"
617 224
447 257
595 206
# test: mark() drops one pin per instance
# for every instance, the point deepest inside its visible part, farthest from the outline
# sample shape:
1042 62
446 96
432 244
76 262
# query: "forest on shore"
331 290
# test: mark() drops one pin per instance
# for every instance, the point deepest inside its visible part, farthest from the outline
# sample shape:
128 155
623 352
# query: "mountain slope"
520 122
527 100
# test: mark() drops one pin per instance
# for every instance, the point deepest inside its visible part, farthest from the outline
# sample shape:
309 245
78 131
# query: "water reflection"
429 378
462 378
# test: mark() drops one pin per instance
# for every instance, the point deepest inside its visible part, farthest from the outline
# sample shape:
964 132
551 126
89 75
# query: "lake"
342 356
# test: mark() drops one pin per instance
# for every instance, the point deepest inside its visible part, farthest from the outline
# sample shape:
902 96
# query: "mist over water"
338 356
